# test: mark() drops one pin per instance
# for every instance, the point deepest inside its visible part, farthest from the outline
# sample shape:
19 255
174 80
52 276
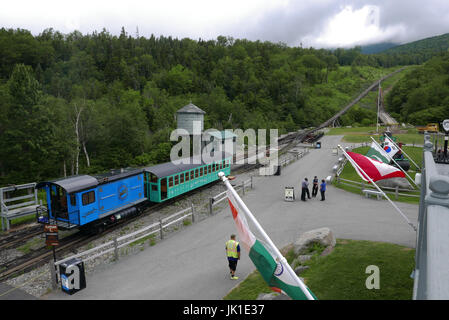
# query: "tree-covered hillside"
420 51
422 96
74 103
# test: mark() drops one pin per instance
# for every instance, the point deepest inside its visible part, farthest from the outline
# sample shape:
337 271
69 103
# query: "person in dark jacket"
315 187
322 189
305 189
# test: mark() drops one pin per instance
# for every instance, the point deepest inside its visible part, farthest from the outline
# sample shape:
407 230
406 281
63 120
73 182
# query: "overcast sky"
316 23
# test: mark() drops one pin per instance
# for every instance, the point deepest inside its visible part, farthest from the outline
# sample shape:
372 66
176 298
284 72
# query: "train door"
153 188
163 188
58 203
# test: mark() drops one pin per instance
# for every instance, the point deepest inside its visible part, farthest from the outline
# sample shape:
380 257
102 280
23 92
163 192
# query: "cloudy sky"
317 23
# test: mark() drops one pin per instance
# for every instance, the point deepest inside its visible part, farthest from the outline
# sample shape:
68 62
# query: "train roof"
169 168
82 182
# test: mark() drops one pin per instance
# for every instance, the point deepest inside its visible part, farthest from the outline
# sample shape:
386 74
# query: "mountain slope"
427 46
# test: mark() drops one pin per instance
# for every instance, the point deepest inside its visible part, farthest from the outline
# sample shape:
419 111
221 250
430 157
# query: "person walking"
315 187
323 189
305 189
233 254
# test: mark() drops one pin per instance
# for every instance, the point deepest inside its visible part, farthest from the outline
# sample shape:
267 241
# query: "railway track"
19 237
41 256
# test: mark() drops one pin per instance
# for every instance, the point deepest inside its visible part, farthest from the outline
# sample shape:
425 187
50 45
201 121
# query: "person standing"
323 189
315 187
233 254
305 189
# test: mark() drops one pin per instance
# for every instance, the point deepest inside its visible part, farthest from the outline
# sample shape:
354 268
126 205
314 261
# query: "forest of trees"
74 103
422 96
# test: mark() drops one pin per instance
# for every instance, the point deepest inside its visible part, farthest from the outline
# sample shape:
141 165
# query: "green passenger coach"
168 180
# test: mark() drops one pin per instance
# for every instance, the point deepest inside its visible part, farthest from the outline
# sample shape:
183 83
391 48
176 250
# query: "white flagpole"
399 167
379 189
265 236
394 143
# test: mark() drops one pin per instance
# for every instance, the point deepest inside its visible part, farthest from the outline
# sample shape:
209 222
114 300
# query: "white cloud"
318 23
355 26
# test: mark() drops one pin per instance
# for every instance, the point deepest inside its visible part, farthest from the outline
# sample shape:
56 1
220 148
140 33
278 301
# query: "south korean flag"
389 147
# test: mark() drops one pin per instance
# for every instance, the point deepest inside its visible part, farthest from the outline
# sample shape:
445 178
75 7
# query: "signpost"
51 239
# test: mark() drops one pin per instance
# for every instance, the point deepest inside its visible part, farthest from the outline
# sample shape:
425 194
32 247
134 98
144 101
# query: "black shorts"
232 264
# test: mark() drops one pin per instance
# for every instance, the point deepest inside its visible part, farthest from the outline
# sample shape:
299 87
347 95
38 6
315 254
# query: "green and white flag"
273 271
377 153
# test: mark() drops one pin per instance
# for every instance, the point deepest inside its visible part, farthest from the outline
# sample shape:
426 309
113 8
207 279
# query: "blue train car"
92 202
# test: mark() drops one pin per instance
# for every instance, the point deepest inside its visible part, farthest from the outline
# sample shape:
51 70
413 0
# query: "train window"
176 180
153 178
72 200
182 178
192 175
88 198
196 173
187 176
209 169
170 182
201 172
154 187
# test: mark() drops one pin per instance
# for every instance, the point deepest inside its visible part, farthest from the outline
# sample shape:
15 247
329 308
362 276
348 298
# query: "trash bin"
318 145
72 274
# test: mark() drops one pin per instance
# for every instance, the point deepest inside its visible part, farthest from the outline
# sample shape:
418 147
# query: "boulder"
323 236
402 183
301 269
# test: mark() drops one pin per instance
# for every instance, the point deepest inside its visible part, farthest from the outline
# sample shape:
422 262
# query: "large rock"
402 183
273 296
322 236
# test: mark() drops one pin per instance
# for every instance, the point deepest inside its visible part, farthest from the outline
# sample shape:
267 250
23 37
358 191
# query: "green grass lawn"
341 275
363 134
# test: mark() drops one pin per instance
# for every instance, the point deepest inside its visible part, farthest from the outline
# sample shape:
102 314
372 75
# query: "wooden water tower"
191 118
188 116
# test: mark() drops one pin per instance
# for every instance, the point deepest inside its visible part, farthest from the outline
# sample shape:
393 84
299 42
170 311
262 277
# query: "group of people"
305 189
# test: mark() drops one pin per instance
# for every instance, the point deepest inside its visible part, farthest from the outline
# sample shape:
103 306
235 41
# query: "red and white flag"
376 170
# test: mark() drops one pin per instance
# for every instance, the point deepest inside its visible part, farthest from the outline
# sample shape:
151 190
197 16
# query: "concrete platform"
191 264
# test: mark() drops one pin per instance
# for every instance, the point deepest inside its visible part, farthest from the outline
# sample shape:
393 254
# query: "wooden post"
115 249
211 203
53 275
161 229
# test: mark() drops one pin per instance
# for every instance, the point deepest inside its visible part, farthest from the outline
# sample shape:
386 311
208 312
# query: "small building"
221 139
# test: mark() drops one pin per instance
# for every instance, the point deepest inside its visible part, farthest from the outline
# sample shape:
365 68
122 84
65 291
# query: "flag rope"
355 165
279 256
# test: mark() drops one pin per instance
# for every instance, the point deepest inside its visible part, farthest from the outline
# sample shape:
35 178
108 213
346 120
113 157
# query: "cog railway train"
92 203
